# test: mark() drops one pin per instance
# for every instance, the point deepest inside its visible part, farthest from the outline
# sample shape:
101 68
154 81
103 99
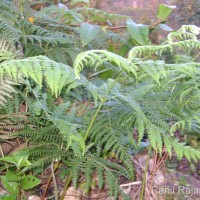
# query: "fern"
91 164
8 50
9 124
86 123
187 36
108 134
164 48
166 89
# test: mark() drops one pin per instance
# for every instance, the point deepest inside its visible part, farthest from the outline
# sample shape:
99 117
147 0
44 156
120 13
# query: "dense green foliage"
84 120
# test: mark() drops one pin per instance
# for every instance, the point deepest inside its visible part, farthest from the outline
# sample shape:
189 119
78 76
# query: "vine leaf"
138 32
164 11
29 182
88 32
11 187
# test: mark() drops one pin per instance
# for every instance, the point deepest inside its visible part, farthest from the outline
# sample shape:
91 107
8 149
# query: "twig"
129 184
115 27
162 160
69 178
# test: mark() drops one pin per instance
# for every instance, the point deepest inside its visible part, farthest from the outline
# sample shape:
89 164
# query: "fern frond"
96 58
108 134
9 126
8 50
6 90
56 75
184 33
9 30
187 36
144 50
91 165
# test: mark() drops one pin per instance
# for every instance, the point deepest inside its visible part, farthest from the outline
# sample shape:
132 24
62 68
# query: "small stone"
2 191
34 197
73 194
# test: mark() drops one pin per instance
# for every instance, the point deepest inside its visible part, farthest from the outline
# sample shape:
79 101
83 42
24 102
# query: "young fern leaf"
95 58
187 38
184 33
159 50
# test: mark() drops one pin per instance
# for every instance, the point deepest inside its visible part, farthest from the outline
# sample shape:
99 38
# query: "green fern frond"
144 50
187 34
9 30
91 165
107 133
96 58
8 50
184 33
43 36
6 90
8 6
48 134
56 75
9 125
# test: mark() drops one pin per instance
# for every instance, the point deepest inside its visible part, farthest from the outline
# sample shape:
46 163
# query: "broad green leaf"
164 11
23 163
88 32
138 32
11 187
29 182
10 159
18 160
12 176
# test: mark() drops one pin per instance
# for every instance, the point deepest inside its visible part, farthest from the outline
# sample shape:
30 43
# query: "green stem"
66 186
196 57
21 10
99 107
93 119
19 194
145 174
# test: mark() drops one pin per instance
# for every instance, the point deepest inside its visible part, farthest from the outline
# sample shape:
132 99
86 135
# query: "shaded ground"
143 11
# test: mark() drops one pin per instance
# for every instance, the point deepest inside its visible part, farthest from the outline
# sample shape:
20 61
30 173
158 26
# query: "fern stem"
196 57
1 151
94 117
145 173
49 180
66 186
99 107
54 181
22 17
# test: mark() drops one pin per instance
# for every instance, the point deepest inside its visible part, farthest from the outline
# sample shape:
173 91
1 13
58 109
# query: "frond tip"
96 58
